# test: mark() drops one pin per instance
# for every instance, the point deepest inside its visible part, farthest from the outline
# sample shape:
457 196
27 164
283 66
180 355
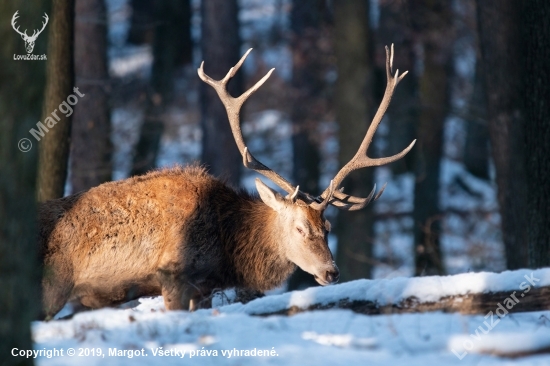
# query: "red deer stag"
182 233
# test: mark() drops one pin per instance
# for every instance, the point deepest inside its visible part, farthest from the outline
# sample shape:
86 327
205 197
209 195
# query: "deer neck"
259 254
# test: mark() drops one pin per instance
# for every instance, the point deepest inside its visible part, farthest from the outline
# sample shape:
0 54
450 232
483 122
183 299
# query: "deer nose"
332 277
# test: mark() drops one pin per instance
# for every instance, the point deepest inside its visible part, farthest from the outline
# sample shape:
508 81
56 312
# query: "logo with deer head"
29 40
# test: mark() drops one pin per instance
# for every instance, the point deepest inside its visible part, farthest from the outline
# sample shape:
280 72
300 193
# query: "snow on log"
468 293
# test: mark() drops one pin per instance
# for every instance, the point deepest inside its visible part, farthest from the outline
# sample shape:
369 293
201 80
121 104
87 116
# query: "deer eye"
301 231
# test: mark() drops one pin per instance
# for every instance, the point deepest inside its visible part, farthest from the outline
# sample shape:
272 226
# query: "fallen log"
467 293
481 303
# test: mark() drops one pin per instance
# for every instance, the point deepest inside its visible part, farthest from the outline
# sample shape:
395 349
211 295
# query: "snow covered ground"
230 335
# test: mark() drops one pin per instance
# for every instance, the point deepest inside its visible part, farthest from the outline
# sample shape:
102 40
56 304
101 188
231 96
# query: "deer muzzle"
329 277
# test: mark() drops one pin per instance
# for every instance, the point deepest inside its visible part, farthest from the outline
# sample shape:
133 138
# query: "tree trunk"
431 24
91 147
21 92
308 88
536 75
171 47
54 147
142 22
220 44
353 111
476 149
500 37
403 113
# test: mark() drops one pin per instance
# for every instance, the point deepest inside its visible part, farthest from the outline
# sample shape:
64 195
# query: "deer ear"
269 196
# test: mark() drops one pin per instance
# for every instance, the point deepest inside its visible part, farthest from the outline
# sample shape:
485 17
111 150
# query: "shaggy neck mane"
257 246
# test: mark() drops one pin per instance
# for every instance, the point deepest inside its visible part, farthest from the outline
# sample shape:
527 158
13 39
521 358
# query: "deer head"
29 40
301 215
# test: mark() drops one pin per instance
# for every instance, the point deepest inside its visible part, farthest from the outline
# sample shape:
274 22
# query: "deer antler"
24 34
46 19
36 33
332 195
13 19
361 160
233 106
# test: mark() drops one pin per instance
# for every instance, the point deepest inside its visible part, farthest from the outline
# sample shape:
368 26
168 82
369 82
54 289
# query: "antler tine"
294 195
365 201
255 87
232 71
361 160
381 191
233 106
351 206
390 61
